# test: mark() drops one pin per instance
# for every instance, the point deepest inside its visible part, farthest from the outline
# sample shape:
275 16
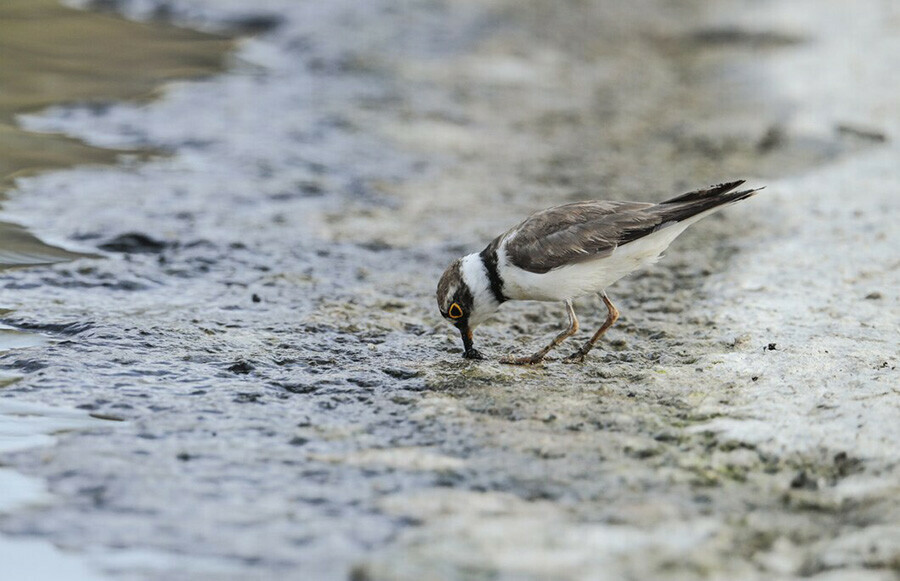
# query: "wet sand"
295 406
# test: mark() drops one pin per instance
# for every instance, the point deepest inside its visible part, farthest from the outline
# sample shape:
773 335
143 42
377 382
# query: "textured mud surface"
294 407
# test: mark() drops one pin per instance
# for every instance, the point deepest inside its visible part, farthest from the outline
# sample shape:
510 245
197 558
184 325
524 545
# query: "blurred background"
221 225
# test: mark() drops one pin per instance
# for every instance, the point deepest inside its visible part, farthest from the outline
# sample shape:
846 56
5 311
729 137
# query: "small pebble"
241 368
400 372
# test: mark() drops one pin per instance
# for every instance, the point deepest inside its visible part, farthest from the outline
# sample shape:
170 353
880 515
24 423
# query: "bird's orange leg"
611 318
539 356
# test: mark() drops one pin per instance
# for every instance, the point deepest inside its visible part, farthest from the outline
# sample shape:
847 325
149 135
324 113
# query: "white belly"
590 276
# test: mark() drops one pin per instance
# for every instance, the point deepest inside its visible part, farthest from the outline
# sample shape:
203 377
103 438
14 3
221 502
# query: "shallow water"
29 427
51 54
295 407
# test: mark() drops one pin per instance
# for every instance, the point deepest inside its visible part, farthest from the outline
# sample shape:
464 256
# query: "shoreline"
310 412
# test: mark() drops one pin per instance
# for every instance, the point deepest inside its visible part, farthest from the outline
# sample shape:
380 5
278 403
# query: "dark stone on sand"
241 368
300 388
248 398
133 243
803 481
401 372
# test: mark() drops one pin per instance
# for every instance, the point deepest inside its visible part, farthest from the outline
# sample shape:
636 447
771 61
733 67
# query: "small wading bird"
569 251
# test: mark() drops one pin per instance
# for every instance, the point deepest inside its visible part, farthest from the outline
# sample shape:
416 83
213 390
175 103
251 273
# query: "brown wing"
586 230
573 233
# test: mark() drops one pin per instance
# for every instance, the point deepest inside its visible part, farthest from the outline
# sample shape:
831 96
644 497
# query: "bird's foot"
577 357
473 354
530 360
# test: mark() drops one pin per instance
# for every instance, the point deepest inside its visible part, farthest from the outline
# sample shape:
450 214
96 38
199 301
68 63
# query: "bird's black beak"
469 351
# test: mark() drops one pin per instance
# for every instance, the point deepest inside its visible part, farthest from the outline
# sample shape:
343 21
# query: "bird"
566 252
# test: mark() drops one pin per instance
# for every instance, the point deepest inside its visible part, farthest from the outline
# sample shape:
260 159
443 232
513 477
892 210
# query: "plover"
569 251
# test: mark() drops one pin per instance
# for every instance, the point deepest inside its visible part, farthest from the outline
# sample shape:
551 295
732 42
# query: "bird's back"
582 231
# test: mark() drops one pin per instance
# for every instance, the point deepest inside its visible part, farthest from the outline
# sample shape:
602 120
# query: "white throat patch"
476 278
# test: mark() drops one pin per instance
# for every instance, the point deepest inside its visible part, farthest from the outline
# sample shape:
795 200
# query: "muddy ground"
294 407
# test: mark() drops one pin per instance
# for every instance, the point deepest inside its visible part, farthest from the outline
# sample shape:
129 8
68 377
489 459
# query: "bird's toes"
577 357
473 354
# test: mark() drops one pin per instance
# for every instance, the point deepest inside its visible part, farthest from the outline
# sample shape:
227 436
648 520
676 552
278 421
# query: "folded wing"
589 230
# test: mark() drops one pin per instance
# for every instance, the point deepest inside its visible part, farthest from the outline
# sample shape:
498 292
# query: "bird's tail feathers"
702 201
688 208
710 192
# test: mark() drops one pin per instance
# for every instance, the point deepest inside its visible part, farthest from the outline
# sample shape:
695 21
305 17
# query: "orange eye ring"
455 311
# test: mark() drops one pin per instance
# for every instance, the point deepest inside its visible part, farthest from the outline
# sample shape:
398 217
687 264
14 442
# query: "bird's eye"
455 311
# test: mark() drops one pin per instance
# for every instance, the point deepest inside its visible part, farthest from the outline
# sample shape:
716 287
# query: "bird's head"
464 298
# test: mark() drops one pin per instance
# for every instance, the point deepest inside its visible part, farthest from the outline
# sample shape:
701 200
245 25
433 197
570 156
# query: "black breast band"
489 259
